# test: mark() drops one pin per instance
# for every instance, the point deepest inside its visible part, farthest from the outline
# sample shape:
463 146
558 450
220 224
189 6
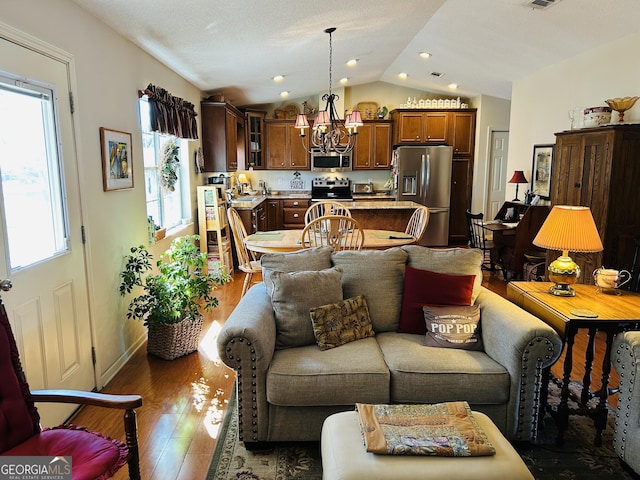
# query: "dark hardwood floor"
185 399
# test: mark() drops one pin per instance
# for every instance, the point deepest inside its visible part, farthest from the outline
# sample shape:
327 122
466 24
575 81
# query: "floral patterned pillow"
342 322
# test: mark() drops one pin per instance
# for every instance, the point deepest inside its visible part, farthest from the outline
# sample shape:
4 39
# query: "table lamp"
567 228
518 178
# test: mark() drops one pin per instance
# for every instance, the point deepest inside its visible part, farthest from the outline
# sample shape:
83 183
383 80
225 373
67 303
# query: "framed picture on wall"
117 166
541 170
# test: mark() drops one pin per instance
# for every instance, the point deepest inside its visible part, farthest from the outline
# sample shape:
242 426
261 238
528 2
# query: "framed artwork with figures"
117 166
541 170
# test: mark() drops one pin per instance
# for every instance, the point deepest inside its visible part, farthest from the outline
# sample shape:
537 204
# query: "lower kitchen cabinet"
274 215
461 184
293 211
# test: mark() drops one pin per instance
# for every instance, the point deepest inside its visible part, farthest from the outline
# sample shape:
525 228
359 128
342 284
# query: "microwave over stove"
330 162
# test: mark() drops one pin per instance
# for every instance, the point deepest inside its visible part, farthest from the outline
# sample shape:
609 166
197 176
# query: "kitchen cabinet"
420 126
223 137
213 226
293 211
372 150
254 219
599 168
284 148
255 138
461 134
274 215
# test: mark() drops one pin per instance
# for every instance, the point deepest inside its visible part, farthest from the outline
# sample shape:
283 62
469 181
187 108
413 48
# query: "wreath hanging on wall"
169 164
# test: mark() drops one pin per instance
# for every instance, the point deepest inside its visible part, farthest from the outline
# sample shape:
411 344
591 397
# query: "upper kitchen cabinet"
254 127
419 126
462 132
223 137
284 148
373 146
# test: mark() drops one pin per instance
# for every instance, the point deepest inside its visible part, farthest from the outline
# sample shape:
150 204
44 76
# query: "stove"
327 188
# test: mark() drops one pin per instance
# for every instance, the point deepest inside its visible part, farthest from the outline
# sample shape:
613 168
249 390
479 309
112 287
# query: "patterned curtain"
172 115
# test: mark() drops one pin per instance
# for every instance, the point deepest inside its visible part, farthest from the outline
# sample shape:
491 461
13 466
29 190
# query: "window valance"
169 114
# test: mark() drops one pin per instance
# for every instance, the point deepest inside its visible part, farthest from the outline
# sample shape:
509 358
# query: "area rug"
577 459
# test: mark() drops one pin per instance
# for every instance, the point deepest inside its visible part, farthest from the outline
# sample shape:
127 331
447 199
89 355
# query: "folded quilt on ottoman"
443 429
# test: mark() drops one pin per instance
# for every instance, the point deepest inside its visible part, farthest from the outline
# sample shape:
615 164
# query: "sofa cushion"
453 327
378 275
293 295
423 287
318 258
454 261
422 374
342 322
307 376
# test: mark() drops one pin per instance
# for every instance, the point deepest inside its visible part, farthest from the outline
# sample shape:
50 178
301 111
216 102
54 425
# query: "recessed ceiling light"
403 75
453 86
344 80
278 78
284 94
352 62
425 54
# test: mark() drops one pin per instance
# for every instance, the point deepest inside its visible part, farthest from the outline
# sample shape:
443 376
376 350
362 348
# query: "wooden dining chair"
321 209
337 231
417 224
247 260
478 239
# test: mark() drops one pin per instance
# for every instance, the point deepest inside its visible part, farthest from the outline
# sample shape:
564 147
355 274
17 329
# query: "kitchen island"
382 214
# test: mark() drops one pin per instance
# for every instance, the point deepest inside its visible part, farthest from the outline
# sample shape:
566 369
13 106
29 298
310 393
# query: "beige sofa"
625 358
285 394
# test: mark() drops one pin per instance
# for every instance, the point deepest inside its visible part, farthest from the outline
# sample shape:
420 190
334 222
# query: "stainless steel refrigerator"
423 175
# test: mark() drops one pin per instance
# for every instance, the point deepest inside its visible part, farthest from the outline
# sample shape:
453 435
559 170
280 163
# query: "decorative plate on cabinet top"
291 110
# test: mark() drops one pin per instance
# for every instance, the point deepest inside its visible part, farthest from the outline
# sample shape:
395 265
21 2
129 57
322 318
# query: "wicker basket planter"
175 340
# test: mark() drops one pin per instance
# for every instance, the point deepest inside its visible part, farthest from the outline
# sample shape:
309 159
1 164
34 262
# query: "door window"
33 201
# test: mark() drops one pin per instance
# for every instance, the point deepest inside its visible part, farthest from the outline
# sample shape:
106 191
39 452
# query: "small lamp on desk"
567 228
518 178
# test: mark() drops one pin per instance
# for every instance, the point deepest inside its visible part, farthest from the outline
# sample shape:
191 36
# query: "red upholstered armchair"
93 456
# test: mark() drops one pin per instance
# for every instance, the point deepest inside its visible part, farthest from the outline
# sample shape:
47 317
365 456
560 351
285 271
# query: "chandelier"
329 133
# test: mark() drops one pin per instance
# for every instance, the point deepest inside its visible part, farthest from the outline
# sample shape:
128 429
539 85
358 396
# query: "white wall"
110 70
541 102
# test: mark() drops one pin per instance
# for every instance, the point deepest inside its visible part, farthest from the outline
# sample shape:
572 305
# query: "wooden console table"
613 314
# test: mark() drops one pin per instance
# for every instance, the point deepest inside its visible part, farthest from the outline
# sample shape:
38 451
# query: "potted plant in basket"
174 297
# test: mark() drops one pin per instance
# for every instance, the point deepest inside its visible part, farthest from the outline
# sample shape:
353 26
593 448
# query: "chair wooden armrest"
87 398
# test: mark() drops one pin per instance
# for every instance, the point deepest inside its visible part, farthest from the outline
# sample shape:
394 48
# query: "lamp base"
562 290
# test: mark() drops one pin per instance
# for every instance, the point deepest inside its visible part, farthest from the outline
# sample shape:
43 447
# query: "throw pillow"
342 322
293 295
423 287
453 327
453 261
378 275
308 259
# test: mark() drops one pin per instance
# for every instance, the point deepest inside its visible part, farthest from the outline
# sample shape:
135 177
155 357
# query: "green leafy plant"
180 290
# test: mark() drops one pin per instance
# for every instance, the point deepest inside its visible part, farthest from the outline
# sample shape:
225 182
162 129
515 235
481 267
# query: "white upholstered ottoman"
344 457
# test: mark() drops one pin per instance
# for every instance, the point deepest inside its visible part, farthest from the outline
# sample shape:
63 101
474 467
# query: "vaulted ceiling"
237 46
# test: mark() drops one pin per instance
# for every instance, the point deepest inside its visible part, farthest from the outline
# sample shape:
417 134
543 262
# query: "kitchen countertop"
380 205
363 202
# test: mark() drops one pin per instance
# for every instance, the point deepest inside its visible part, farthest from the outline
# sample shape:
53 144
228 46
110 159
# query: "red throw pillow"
423 287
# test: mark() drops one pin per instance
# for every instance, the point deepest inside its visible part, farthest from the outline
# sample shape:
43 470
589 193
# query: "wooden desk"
289 240
615 313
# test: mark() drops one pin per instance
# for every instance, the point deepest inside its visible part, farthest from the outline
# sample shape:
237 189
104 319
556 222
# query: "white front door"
497 178
41 249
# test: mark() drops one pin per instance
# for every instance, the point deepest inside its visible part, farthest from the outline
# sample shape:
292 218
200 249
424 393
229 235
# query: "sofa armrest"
246 344
524 345
625 356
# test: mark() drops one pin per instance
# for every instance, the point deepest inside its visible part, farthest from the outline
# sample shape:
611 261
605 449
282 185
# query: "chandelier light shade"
517 178
567 228
329 133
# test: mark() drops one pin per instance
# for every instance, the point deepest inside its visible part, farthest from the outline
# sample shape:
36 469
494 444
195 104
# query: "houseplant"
173 297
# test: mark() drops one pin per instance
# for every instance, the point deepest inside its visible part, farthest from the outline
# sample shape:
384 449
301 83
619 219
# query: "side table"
594 311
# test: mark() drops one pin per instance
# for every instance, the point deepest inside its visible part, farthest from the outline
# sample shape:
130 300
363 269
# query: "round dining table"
291 240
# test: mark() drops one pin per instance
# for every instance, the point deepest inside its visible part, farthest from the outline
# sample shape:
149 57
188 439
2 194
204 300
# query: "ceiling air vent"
437 74
542 3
